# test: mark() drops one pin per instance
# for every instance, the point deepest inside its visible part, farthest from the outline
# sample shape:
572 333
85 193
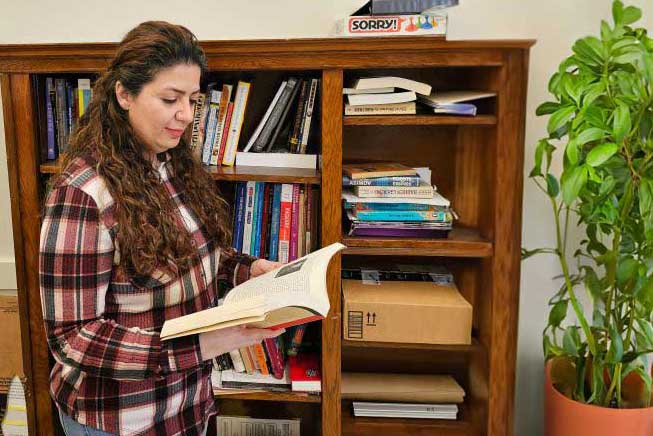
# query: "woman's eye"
169 101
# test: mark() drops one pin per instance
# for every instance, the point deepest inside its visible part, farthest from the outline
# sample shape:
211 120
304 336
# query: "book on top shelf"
292 294
388 98
377 169
354 91
407 108
395 82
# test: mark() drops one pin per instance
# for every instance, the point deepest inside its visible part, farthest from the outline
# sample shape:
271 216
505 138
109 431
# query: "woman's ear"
123 96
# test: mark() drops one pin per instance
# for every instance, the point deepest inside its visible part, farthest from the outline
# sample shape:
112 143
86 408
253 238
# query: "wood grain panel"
331 232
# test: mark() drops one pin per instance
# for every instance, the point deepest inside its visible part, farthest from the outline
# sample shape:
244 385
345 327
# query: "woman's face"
163 109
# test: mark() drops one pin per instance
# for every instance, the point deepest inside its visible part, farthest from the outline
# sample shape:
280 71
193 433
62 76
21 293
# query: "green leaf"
547 108
558 313
571 341
621 123
593 91
647 64
588 51
552 186
628 57
647 331
560 117
645 194
631 14
606 31
626 270
572 152
616 350
618 12
601 153
590 135
573 184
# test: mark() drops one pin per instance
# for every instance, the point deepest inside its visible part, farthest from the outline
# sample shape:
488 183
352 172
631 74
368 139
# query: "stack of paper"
15 420
406 410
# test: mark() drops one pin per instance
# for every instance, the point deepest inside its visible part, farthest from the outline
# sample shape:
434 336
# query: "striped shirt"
111 370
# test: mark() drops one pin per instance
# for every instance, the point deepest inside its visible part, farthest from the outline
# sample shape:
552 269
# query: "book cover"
382 181
265 221
227 126
305 372
239 221
294 223
408 108
285 218
260 193
225 99
293 139
377 169
211 125
255 219
274 223
308 116
249 209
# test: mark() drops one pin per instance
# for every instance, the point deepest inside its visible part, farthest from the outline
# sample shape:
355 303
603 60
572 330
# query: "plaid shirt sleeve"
234 267
75 262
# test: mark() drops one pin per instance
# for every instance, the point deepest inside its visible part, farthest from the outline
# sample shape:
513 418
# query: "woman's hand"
261 266
217 342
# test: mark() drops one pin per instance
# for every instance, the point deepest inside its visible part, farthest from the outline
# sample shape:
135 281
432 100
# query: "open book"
292 294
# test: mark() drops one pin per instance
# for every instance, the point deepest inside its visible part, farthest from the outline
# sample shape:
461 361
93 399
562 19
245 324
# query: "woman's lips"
175 133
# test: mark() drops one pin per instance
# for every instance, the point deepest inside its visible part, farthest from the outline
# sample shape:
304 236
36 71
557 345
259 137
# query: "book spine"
402 215
70 121
265 118
309 219
275 356
282 119
260 359
211 125
285 218
247 360
264 137
239 365
49 113
249 208
236 125
296 341
197 119
260 201
204 119
294 223
227 126
309 116
301 233
255 220
389 206
274 223
293 140
393 192
409 181
241 194
381 109
265 221
225 98
315 219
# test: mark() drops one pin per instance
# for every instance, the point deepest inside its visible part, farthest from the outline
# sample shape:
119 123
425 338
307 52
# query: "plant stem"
616 379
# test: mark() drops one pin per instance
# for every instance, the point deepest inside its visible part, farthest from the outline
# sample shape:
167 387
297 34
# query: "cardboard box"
387 25
409 312
11 361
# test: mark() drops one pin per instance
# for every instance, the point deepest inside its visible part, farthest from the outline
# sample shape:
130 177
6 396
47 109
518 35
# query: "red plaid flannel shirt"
111 369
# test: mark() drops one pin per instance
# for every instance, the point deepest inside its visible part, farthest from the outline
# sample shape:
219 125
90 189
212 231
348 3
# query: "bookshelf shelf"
239 174
265 174
471 348
419 120
462 242
292 397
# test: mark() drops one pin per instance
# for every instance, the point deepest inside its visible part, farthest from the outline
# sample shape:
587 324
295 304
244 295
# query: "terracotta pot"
565 417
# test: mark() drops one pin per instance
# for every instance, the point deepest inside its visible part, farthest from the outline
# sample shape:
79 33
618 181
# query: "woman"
134 233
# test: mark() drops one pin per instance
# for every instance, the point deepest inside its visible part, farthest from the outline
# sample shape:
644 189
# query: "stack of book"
455 102
275 221
403 395
282 137
65 102
384 96
391 199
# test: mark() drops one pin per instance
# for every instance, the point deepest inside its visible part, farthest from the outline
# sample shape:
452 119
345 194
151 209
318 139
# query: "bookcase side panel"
507 210
26 156
330 215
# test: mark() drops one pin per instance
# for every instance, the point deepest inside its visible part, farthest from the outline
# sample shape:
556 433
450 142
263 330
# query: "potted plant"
600 328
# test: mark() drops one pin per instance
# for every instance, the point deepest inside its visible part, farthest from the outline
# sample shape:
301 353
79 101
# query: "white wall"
554 23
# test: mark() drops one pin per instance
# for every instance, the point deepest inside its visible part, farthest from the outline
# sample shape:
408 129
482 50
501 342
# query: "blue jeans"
74 428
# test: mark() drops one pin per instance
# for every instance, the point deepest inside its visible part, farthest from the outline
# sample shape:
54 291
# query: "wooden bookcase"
477 162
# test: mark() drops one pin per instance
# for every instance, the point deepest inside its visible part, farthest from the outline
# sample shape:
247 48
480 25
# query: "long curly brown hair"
149 235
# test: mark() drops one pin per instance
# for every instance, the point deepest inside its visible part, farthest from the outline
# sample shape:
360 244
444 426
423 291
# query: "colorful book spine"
49 113
211 125
255 218
265 225
260 201
235 127
393 191
260 359
285 218
301 233
239 222
84 93
296 341
294 223
249 209
275 357
387 206
382 181
225 98
309 219
402 215
274 223
227 125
